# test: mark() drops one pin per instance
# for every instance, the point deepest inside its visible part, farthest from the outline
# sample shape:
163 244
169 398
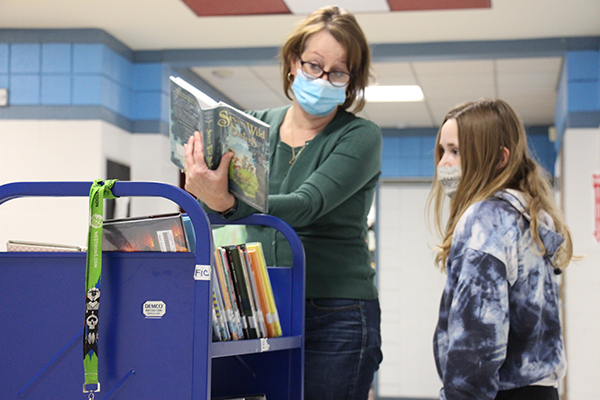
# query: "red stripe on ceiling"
211 8
413 5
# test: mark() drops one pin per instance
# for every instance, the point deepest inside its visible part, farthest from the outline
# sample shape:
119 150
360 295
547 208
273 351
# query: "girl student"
505 243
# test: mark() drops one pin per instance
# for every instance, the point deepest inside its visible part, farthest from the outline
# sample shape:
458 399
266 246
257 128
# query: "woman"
498 334
324 167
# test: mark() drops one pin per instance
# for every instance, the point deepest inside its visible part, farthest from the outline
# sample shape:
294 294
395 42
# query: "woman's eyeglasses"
336 78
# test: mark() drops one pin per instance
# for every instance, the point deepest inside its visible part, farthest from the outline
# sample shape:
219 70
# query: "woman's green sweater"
325 195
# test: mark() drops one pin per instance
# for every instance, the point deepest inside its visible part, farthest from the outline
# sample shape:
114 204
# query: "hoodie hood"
551 239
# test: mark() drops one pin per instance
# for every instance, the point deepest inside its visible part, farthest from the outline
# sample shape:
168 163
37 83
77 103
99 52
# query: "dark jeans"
529 393
342 348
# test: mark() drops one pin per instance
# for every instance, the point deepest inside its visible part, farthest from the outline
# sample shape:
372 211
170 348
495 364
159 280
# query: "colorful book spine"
244 306
241 288
216 331
267 281
253 289
233 318
220 310
262 292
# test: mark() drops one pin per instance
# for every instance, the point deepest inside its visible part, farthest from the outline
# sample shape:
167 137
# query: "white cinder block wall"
410 288
49 150
581 158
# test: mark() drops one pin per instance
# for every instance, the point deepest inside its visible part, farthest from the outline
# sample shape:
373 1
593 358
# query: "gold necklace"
294 155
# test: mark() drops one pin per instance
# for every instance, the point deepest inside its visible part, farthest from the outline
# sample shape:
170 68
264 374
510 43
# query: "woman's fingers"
194 152
211 187
224 165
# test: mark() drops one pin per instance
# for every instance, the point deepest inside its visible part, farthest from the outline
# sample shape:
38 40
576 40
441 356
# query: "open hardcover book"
224 128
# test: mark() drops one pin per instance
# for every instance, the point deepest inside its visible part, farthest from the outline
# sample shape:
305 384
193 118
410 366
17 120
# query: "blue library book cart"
42 302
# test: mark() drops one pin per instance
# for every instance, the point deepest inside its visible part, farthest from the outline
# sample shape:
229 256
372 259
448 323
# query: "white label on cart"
264 345
202 273
166 241
154 309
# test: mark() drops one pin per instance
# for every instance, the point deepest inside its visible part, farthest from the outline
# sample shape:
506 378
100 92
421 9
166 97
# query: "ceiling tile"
250 89
529 65
398 115
452 68
392 73
528 83
533 109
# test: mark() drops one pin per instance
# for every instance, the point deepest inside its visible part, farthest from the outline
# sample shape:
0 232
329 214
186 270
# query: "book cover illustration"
224 128
164 233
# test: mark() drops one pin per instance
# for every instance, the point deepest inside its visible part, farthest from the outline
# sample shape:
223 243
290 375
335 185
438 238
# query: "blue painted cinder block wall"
578 99
51 75
408 153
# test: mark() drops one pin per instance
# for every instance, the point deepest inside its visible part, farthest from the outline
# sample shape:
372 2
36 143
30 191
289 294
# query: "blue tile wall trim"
583 66
548 47
584 119
89 58
561 108
25 58
82 36
56 90
408 153
3 58
57 58
208 57
24 89
578 99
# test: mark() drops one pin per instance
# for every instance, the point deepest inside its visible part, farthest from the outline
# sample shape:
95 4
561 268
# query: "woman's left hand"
209 186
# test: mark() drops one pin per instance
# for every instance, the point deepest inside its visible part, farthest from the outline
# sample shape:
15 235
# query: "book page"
204 100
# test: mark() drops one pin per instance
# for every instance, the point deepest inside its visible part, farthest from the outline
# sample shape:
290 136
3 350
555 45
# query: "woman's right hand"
209 186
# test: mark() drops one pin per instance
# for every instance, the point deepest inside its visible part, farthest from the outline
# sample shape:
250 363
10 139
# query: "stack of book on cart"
244 306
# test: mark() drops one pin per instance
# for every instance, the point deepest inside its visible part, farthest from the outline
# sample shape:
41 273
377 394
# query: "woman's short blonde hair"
342 25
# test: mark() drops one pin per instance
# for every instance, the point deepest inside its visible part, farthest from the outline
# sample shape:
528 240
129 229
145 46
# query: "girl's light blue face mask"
317 96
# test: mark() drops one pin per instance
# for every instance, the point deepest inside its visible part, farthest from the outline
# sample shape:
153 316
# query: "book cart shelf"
42 303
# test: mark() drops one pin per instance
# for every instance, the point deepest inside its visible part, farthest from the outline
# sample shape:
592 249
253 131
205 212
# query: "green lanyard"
98 192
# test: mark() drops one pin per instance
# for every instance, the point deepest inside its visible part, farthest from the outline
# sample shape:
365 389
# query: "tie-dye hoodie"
499 325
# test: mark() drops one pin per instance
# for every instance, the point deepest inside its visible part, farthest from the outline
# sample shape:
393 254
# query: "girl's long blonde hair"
485 127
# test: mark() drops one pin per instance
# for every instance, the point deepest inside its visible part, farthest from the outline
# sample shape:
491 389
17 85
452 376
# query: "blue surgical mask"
317 96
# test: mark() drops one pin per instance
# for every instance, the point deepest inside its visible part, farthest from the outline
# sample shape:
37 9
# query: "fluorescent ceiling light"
354 6
394 93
